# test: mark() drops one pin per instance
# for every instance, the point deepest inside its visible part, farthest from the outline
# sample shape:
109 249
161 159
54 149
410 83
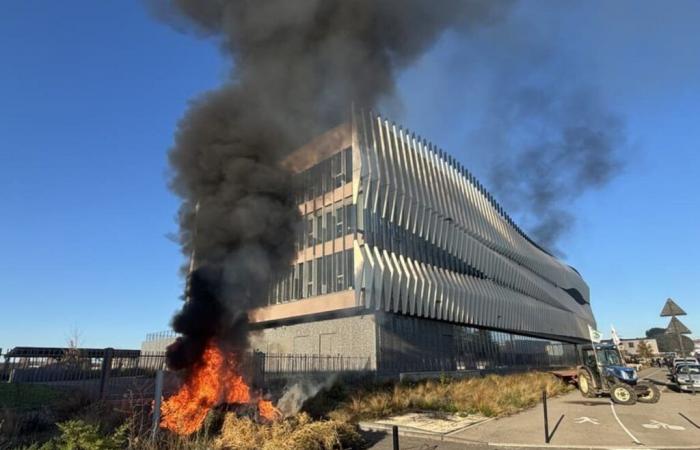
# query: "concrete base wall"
346 336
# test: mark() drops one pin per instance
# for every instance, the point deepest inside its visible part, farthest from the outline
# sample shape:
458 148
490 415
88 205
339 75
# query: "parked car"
687 376
682 361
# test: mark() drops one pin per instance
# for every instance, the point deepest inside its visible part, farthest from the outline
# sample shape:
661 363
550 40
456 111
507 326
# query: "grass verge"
328 421
490 396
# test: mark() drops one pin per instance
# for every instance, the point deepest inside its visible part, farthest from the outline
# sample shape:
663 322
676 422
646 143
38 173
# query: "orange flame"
213 381
268 411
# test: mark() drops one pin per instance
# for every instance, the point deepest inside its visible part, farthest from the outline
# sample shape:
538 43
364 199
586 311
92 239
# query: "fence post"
546 422
106 366
156 402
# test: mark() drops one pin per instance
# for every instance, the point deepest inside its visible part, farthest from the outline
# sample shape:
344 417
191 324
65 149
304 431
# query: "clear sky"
90 93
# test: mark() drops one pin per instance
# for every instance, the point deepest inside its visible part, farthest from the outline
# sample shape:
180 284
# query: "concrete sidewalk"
578 422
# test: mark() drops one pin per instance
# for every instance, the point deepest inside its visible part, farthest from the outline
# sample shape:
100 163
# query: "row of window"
323 275
387 235
415 344
327 175
326 224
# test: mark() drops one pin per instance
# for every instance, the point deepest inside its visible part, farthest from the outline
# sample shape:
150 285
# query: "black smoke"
553 147
547 135
297 67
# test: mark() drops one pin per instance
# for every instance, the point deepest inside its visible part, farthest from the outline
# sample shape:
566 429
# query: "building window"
338 216
329 226
350 218
349 268
339 272
337 170
348 164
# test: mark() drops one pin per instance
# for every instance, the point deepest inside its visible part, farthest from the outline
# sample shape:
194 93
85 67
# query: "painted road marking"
636 441
585 419
655 425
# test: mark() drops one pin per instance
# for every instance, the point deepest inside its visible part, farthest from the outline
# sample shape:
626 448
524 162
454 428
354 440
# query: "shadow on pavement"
554 430
372 437
688 419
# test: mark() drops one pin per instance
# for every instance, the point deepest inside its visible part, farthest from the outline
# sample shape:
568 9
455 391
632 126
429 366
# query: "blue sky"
90 93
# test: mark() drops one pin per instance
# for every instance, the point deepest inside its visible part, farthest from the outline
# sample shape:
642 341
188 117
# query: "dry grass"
491 396
296 433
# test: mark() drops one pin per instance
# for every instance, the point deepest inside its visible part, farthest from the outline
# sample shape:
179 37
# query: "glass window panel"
337 170
348 165
349 269
350 218
338 218
330 226
330 274
301 292
318 280
310 241
328 175
339 269
319 226
310 279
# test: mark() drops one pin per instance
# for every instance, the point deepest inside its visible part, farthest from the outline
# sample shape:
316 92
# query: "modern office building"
405 258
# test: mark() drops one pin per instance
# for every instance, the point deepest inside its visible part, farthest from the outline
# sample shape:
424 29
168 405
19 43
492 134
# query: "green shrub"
80 435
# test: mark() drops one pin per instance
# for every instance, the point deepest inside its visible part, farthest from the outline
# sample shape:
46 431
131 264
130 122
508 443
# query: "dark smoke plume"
298 66
552 148
546 134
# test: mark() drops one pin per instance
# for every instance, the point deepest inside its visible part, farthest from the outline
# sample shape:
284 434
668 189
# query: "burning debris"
213 381
298 67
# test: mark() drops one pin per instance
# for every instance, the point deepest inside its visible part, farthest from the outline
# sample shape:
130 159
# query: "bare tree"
71 355
644 350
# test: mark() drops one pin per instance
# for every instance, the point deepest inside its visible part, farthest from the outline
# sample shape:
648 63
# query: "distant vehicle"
687 377
677 361
604 372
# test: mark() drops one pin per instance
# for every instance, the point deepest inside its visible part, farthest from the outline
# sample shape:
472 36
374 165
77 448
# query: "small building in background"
631 346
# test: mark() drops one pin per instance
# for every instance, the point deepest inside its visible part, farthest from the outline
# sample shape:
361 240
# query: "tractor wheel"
651 396
585 384
623 394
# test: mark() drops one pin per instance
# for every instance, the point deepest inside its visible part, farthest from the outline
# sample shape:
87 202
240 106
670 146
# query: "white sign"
585 419
596 336
655 425
613 334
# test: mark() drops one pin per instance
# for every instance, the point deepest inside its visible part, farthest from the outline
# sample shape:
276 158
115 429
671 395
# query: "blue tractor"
604 373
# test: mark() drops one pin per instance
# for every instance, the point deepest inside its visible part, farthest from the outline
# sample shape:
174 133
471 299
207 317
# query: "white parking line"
636 441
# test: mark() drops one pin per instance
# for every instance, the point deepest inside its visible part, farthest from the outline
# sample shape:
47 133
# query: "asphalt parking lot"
578 422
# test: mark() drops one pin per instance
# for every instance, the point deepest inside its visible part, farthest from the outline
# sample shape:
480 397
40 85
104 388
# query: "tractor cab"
606 359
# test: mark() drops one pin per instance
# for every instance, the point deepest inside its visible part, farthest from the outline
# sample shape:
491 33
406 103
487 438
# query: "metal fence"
113 374
99 373
281 364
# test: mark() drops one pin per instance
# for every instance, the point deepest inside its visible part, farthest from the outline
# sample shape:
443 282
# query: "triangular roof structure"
675 326
671 309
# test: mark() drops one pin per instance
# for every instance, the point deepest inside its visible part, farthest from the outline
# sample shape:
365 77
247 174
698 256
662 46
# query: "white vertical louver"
443 249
